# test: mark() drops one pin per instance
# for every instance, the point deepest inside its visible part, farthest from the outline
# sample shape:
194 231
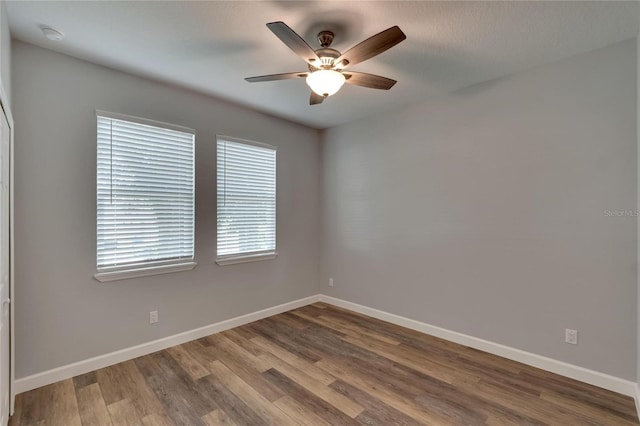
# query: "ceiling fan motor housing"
327 56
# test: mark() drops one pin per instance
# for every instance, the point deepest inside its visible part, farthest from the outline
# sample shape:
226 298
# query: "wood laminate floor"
320 365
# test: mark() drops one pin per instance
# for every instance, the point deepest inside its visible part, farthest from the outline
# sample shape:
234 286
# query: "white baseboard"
602 380
582 374
91 364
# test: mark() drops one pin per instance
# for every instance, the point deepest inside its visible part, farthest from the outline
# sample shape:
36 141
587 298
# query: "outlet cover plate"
571 336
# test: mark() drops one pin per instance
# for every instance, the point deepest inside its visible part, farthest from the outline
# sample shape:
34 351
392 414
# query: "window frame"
156 267
235 258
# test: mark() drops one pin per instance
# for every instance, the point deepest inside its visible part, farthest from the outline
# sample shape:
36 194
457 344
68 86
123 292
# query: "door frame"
5 106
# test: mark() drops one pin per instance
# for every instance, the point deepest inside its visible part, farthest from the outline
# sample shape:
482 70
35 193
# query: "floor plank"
270 413
64 405
291 359
218 418
234 407
309 400
319 389
123 413
299 412
93 410
157 419
188 362
321 365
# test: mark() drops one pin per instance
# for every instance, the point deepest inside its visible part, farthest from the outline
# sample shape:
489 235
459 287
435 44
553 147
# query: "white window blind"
246 198
145 193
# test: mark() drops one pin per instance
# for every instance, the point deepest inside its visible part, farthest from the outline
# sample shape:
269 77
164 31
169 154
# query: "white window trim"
234 259
162 267
244 258
246 142
145 121
126 274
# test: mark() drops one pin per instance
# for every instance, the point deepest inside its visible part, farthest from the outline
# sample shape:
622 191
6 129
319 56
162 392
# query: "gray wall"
63 315
638 205
483 211
5 50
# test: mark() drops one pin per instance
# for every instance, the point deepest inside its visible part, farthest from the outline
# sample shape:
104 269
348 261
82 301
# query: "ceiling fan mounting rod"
325 38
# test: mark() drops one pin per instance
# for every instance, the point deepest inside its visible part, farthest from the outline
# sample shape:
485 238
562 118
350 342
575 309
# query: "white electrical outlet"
571 336
153 317
330 282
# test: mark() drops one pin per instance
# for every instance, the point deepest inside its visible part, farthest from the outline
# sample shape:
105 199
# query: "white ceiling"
212 46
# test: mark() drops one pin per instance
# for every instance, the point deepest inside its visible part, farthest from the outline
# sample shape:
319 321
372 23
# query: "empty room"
319 213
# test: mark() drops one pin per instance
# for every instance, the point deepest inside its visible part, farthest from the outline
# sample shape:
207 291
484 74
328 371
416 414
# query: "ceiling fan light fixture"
325 82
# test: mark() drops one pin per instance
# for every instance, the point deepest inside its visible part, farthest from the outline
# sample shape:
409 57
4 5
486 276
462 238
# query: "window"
246 201
145 195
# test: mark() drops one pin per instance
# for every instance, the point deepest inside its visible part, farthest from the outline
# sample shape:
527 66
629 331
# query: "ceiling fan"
327 66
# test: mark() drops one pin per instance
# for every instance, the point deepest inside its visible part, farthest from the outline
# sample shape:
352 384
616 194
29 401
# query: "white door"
5 372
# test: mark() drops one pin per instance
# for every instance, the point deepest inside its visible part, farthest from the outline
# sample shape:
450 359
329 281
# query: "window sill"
143 272
232 260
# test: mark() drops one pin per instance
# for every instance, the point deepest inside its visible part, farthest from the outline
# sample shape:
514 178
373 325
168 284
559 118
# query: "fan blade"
369 80
273 77
294 42
315 99
371 47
